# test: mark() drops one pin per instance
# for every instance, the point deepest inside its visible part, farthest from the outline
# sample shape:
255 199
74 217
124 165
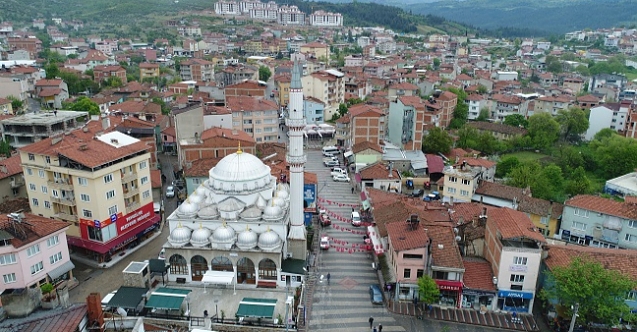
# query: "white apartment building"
609 115
326 19
290 15
257 117
328 86
99 183
227 8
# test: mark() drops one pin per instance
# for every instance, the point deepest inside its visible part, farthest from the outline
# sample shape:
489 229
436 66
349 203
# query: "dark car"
416 193
375 294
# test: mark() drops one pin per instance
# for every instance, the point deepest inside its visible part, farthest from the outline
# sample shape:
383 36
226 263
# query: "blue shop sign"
515 295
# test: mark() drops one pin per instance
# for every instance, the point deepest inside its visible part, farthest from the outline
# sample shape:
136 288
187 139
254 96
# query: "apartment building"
11 178
246 88
33 251
401 89
28 128
609 115
214 143
460 183
52 92
507 105
14 85
257 117
282 87
552 104
475 102
107 46
322 18
290 15
367 124
319 50
102 73
406 122
514 250
99 183
32 45
197 70
148 70
327 86
227 8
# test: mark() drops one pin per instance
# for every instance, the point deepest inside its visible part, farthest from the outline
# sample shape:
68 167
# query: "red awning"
449 285
103 248
357 177
363 196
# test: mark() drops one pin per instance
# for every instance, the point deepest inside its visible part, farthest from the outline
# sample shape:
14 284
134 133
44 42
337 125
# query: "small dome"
282 194
202 191
269 240
208 212
278 201
261 203
187 209
180 236
223 234
199 237
196 199
247 239
251 213
272 211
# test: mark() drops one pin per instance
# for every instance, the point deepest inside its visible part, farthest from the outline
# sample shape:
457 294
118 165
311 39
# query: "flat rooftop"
42 118
626 182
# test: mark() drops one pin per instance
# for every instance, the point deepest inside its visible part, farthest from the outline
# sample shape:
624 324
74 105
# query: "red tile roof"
201 167
402 237
379 171
493 189
604 205
362 146
48 92
155 178
435 164
612 259
36 229
10 166
44 82
444 248
247 103
55 321
478 274
477 162
239 135
364 109
512 224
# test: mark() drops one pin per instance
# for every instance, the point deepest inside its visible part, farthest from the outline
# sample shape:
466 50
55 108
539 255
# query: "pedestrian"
375 329
352 190
371 322
328 278
380 327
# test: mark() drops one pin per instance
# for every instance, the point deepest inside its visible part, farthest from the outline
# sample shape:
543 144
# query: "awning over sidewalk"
372 232
256 308
62 269
218 277
127 297
124 239
167 298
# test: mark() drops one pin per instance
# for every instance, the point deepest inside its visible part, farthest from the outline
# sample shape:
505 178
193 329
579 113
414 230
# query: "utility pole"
575 309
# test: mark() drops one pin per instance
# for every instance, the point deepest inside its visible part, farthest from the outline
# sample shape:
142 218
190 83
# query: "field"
525 156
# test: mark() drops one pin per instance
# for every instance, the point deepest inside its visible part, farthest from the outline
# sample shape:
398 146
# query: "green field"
524 156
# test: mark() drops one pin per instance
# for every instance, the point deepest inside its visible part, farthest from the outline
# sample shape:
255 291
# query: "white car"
356 219
331 163
340 178
170 192
338 171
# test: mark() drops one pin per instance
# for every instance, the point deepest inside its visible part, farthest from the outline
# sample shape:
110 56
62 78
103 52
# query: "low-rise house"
401 89
102 73
11 178
367 153
545 215
447 268
148 70
460 183
380 176
215 143
588 101
52 92
247 88
478 290
196 172
552 104
499 195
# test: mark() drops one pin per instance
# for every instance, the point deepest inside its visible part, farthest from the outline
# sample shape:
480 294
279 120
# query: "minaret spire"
297 242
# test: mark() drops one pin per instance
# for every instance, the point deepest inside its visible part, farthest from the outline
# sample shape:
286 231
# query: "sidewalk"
117 258
523 322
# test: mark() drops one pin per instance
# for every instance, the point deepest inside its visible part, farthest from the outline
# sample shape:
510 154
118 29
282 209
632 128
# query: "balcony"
17 183
65 216
130 192
130 207
69 201
63 184
128 177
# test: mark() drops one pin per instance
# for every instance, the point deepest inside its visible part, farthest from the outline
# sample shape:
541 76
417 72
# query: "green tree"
436 63
466 137
506 165
569 158
264 73
342 110
461 112
113 82
578 183
599 292
5 148
482 89
428 291
52 70
543 130
483 115
165 110
573 123
524 175
552 181
437 141
84 104
487 143
16 104
617 155
516 120
553 64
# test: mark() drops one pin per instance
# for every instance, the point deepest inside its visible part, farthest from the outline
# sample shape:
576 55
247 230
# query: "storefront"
101 240
450 292
513 301
477 299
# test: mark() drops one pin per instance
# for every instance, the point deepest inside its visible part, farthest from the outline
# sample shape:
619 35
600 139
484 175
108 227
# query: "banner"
309 197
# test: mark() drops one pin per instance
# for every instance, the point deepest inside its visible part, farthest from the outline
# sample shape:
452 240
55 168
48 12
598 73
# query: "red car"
325 220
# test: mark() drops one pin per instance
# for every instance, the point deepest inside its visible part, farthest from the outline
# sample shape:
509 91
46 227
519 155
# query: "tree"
506 165
113 82
461 112
466 137
616 155
483 115
543 130
516 120
553 64
524 175
52 70
5 148
487 143
84 104
573 123
428 291
16 104
264 73
342 110
165 110
437 141
482 89
436 63
578 183
599 292
550 184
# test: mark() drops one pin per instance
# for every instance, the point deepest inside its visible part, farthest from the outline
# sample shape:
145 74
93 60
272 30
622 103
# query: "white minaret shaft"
296 159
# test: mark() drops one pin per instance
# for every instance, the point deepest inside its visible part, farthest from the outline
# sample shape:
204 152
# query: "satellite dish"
455 230
458 239
122 312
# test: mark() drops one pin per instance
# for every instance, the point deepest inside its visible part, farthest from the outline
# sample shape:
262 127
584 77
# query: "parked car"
338 171
331 163
375 294
325 220
170 192
356 219
325 243
340 178
417 193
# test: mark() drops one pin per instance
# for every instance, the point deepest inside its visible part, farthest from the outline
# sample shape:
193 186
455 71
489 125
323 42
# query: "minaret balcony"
291 123
296 160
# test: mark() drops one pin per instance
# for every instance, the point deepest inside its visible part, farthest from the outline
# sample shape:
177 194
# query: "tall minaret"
297 242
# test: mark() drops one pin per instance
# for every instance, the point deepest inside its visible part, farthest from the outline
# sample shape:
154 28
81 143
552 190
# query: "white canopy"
218 278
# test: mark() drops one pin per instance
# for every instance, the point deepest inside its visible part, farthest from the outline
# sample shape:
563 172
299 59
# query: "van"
356 219
330 150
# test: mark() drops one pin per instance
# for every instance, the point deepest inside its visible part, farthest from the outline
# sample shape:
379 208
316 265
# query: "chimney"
106 123
94 311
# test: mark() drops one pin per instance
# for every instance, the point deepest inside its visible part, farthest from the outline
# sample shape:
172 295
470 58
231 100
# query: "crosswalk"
344 303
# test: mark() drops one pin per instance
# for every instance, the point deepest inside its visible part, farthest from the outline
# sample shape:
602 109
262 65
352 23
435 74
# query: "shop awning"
372 232
167 298
218 277
128 237
127 297
256 308
357 177
62 269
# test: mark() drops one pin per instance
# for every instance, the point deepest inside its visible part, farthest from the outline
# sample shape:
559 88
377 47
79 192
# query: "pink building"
33 251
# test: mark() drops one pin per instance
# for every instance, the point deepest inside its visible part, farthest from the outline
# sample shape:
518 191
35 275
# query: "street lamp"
575 309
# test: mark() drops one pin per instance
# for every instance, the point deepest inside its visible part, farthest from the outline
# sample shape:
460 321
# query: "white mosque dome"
272 211
199 237
187 209
223 234
269 240
239 167
202 191
247 239
196 199
208 212
252 213
278 201
180 236
283 194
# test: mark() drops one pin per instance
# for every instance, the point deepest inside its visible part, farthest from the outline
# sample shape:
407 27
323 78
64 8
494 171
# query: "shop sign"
136 217
566 235
471 292
516 295
518 268
449 285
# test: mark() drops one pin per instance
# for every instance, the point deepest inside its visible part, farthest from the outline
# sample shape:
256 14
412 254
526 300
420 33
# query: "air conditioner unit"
289 255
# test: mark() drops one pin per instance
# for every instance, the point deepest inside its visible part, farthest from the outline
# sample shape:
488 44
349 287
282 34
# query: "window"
581 213
464 193
41 173
102 234
465 182
196 181
7 259
632 223
85 197
143 164
453 179
412 256
146 194
29 171
32 187
47 159
45 190
576 225
82 181
144 180
32 250
9 278
517 278
47 204
630 238
55 258
451 190
53 240
407 273
55 193
87 213
110 194
420 273
544 220
31 157
112 210
35 202
37 267
108 178
519 260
